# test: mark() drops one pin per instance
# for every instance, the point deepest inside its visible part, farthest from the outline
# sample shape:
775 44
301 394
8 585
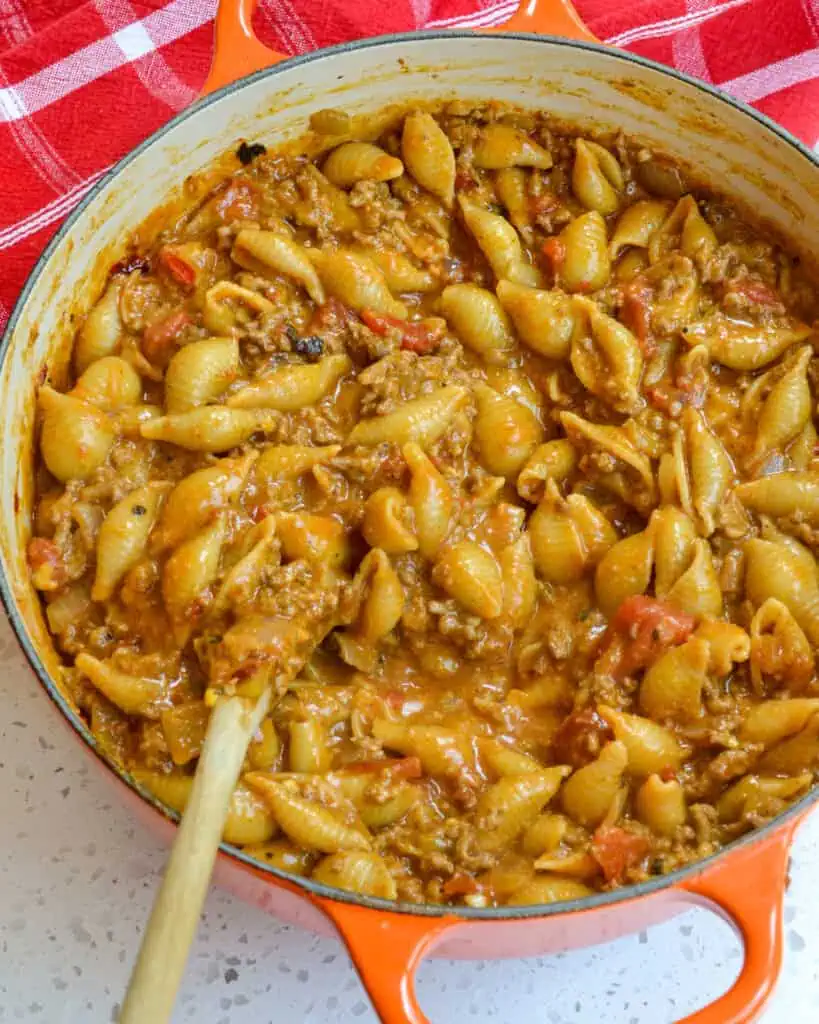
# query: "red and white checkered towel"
82 83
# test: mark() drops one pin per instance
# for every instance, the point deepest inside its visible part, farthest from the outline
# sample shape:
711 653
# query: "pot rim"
81 729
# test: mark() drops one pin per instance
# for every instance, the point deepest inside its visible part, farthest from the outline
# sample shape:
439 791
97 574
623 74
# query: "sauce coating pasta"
492 449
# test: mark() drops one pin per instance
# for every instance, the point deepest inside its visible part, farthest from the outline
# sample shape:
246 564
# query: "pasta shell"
500 244
135 695
267 250
208 429
385 522
383 604
712 471
123 536
636 224
774 571
555 460
743 346
101 334
754 793
606 357
787 408
110 383
672 686
730 645
783 495
308 824
507 807
75 437
471 575
359 872
292 387
442 752
588 794
697 591
316 538
400 273
420 421
187 574
674 536
780 651
200 372
197 498
228 305
543 319
684 229
478 319
289 461
360 161
506 432
774 720
624 570
502 145
557 545
519 583
650 746
510 186
355 280
587 265
548 889
428 155
596 177
431 499
661 805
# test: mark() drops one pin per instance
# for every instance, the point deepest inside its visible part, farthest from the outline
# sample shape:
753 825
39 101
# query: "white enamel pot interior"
726 146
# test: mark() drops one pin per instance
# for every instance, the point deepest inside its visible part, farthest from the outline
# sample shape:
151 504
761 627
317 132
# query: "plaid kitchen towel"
82 83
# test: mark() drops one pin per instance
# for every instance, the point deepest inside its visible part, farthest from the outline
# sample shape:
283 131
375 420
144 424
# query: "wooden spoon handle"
165 945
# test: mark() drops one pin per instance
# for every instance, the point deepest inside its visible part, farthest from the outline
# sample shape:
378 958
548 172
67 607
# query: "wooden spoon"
165 945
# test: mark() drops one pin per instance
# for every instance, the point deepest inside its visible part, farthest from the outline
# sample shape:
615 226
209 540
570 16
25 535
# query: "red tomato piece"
651 627
460 884
636 314
182 272
158 339
416 336
616 851
554 254
239 201
46 563
755 290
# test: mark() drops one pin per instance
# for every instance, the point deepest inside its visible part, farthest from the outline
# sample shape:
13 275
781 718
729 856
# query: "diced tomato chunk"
46 562
554 254
650 627
158 339
544 203
616 851
239 201
177 268
416 336
579 737
755 290
460 884
636 315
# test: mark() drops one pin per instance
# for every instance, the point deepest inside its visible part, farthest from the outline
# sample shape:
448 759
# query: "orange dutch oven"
543 58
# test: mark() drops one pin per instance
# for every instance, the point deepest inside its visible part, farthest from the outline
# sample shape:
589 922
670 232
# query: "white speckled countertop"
77 876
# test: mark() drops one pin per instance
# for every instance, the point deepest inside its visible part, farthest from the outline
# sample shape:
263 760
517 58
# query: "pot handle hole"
386 948
747 888
239 52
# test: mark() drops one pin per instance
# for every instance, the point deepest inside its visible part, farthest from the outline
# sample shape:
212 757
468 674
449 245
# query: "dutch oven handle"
238 51
746 887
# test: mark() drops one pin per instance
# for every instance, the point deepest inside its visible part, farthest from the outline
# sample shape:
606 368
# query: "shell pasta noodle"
499 467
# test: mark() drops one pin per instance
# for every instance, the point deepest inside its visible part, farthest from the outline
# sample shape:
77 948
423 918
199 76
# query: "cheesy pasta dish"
491 449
